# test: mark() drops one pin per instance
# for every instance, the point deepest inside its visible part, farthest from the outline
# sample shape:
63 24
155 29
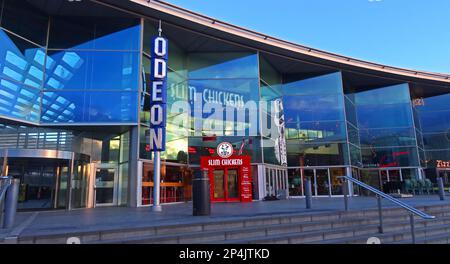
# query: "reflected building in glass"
75 108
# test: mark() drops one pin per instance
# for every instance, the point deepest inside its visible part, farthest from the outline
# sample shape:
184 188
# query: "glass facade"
79 84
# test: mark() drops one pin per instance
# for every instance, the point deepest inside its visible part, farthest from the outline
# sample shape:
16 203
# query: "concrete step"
396 237
232 229
258 230
344 235
240 233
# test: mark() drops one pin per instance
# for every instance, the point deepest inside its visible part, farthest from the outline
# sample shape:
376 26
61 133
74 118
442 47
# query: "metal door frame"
116 190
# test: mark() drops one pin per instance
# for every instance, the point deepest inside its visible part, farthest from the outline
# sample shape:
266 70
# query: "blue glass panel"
222 65
321 154
19 101
25 20
79 70
389 157
380 116
20 60
437 141
313 108
353 134
435 122
325 84
435 103
350 111
228 92
313 132
387 137
100 33
387 95
355 155
89 107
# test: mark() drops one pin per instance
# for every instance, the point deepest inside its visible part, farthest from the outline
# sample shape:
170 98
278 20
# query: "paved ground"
51 222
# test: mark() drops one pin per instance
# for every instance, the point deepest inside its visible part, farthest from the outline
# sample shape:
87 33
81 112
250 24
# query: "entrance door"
225 185
106 185
322 182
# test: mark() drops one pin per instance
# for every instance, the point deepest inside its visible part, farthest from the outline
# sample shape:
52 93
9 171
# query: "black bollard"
440 183
201 200
308 193
11 200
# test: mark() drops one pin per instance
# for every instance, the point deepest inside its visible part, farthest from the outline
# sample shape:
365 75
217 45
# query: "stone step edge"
331 230
331 241
308 218
381 236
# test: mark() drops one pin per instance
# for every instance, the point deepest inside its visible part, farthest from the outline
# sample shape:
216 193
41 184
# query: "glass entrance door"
233 184
226 185
322 182
106 179
219 185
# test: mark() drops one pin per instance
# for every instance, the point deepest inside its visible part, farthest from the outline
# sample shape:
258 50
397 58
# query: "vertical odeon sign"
158 93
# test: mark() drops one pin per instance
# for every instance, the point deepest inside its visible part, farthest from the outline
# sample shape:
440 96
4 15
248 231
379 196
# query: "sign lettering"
158 94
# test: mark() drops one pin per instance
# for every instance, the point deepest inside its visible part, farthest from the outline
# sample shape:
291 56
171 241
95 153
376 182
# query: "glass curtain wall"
92 57
434 120
315 121
273 127
316 132
387 135
58 77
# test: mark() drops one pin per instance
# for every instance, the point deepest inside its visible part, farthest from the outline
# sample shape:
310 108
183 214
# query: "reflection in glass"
324 84
80 70
222 65
219 184
19 101
68 107
22 61
233 183
313 108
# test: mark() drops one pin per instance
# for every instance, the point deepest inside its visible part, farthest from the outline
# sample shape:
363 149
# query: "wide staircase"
395 225
346 227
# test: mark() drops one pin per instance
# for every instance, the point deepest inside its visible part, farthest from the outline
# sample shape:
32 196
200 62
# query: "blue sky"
412 34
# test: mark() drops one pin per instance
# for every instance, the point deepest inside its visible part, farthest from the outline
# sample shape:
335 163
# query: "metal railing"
379 194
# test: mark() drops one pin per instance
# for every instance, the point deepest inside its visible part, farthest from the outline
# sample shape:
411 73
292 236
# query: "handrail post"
345 189
380 214
413 231
441 191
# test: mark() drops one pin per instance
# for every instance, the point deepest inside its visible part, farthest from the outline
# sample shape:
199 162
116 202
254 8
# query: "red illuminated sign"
220 179
442 164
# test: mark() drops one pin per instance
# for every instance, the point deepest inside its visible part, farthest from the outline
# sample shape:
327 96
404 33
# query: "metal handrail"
390 198
413 211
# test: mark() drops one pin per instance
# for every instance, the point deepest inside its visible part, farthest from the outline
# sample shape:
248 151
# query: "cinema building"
75 108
